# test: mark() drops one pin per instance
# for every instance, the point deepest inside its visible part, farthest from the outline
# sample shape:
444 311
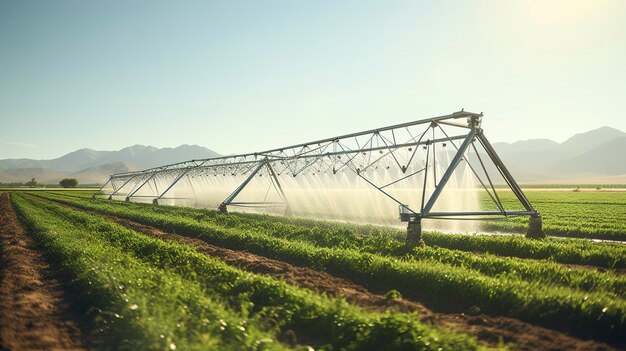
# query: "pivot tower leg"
535 230
414 232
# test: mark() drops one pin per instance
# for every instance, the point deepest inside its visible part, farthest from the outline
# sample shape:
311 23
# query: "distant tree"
32 183
69 182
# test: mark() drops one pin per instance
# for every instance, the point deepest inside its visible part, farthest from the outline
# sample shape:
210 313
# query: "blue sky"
239 76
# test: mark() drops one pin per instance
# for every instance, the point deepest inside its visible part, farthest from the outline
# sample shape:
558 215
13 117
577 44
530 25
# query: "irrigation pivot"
410 164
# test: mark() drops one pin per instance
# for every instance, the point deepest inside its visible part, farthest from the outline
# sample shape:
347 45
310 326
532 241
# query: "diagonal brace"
505 172
120 188
451 168
179 177
141 186
232 196
102 187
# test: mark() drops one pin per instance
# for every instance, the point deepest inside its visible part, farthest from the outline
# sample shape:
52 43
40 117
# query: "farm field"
138 276
587 213
583 214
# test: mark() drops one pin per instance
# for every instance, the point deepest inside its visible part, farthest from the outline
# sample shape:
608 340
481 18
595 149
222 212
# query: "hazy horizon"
243 76
222 152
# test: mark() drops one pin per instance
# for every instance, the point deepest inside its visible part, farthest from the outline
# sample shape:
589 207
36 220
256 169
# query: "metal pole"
280 188
179 177
102 187
425 177
494 197
141 186
446 176
232 196
120 188
505 172
535 223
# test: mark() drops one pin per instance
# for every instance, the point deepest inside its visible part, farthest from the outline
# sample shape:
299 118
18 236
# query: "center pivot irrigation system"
414 149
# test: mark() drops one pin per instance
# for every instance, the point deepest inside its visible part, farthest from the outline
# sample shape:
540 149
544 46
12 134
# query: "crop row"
547 272
130 304
598 215
258 304
383 240
538 271
428 280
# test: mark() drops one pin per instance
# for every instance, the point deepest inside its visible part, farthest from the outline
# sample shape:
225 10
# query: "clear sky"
239 76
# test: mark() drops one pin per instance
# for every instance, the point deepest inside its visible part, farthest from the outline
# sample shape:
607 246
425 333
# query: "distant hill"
608 158
596 154
91 166
585 142
97 174
139 155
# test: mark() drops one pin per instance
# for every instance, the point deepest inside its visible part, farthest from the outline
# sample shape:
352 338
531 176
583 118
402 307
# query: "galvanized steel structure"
358 153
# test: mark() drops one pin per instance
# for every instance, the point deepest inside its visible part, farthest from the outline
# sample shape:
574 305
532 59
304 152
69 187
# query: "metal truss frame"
356 152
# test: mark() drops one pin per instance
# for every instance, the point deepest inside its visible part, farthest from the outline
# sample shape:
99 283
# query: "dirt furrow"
34 314
488 329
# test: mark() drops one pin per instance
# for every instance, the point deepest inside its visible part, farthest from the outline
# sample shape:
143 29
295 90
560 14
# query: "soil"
34 313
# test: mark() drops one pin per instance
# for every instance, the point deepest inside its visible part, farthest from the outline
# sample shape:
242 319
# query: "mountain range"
598 156
91 166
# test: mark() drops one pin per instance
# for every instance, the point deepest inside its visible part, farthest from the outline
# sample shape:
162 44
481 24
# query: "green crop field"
584 214
180 278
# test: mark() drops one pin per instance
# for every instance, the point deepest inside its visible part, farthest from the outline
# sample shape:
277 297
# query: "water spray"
430 169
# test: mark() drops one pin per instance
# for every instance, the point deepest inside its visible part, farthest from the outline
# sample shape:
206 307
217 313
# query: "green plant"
393 295
69 182
265 304
530 300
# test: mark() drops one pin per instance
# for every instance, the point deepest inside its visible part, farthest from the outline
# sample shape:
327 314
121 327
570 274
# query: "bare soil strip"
488 329
34 314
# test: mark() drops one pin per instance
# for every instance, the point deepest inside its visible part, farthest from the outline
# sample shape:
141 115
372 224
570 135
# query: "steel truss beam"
358 153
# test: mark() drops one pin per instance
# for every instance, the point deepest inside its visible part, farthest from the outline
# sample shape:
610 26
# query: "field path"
33 308
488 329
